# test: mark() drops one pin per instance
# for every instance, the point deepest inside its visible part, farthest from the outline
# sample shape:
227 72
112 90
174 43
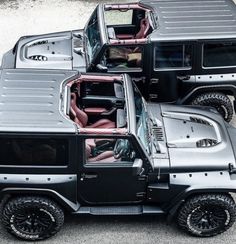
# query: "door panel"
172 65
107 174
110 184
124 59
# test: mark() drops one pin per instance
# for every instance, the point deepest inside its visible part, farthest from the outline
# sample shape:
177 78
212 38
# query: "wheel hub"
208 220
32 221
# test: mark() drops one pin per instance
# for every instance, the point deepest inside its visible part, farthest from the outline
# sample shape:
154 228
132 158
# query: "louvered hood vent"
157 132
195 131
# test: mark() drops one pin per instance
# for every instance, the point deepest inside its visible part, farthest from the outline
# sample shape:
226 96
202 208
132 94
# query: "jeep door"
124 59
128 59
107 172
217 65
171 68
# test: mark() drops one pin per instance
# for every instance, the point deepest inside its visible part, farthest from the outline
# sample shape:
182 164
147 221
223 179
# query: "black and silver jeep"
177 52
90 144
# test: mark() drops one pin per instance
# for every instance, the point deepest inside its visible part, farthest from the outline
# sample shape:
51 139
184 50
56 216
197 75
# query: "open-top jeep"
183 52
89 144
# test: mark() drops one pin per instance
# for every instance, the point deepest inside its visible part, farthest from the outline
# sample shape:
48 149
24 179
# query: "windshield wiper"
156 145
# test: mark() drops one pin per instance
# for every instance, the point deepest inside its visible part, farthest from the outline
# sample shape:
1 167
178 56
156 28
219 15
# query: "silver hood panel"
51 51
183 132
191 130
184 127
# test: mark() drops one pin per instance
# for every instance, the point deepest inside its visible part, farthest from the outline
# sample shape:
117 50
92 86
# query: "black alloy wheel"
32 218
207 214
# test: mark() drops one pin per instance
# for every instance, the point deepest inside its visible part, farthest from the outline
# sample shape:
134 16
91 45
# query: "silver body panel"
35 101
181 135
191 20
62 50
30 101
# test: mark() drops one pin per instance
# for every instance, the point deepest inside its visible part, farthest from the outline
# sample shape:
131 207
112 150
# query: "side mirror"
101 68
138 166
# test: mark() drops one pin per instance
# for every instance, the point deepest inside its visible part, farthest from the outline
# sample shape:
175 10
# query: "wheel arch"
178 201
225 89
8 193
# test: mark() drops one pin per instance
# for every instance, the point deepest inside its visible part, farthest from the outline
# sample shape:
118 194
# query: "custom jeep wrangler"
179 52
90 144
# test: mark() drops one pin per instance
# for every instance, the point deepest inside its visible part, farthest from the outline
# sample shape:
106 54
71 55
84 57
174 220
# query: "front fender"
199 183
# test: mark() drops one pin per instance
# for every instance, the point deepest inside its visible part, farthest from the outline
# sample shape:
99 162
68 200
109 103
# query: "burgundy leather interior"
144 28
106 156
103 123
93 111
91 143
81 118
88 150
125 36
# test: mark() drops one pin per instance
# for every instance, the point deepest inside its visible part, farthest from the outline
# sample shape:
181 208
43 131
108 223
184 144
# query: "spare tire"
217 100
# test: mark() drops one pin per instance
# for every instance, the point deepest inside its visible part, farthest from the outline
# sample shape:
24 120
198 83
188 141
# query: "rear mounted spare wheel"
32 218
207 215
219 101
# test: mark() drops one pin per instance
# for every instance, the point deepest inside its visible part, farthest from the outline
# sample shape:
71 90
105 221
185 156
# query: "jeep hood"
195 138
190 130
62 50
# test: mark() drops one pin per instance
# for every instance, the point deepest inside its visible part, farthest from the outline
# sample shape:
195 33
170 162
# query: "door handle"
186 77
88 176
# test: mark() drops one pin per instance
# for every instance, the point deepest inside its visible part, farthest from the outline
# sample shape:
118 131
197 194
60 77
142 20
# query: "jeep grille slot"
199 121
206 143
158 133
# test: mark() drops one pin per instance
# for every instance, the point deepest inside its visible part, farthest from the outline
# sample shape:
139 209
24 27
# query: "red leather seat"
81 118
144 28
105 157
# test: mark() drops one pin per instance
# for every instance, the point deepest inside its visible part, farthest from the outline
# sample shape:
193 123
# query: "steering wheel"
121 149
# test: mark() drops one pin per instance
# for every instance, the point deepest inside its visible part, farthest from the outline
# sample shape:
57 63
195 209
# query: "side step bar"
120 210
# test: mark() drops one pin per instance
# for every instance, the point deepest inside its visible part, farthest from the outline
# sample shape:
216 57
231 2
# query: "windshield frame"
131 113
90 61
143 122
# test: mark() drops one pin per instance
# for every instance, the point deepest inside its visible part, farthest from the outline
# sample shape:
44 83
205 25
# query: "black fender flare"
202 89
176 203
7 193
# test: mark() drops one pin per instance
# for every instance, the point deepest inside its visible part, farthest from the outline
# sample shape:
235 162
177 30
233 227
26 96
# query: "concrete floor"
28 17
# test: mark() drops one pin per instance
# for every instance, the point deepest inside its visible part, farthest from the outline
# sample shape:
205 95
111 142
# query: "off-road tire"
211 208
22 215
219 101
